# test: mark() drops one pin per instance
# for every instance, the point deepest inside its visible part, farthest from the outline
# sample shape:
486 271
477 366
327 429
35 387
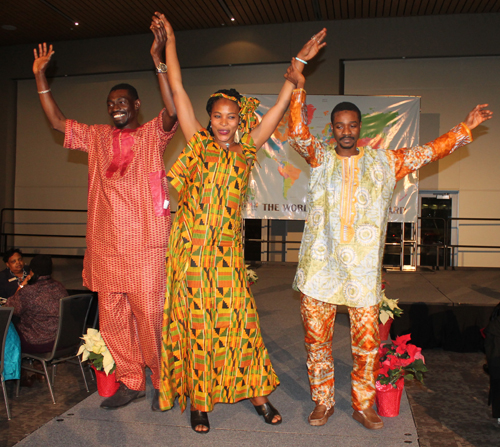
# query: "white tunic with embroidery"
340 258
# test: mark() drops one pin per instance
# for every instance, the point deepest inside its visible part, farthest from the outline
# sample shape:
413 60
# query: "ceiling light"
45 2
225 8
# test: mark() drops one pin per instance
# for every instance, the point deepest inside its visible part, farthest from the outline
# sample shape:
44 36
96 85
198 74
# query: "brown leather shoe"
320 415
368 418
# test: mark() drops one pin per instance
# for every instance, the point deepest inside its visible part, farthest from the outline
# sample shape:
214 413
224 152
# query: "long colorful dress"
212 348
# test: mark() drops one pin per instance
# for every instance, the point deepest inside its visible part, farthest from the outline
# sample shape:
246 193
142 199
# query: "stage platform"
445 308
442 308
87 425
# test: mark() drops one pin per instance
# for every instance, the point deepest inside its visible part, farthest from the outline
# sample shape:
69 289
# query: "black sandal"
199 418
268 412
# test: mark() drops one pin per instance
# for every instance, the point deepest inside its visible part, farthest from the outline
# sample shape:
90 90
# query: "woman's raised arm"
272 118
185 112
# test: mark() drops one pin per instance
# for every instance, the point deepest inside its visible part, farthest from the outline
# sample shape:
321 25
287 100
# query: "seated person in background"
37 306
15 276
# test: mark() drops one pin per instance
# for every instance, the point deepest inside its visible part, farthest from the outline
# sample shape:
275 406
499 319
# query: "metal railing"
449 258
268 240
4 234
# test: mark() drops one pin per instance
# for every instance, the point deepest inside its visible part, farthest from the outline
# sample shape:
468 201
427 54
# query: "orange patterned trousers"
130 325
319 320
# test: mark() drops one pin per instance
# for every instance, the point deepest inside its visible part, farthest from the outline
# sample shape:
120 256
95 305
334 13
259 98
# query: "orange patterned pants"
130 325
319 320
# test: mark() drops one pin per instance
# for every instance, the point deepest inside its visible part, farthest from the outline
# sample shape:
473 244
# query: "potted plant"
251 275
96 352
388 310
398 360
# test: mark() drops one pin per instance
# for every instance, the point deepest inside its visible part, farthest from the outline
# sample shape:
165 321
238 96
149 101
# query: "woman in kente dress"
212 348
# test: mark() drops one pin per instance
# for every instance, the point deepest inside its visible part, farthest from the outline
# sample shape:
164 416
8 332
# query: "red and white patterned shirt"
128 220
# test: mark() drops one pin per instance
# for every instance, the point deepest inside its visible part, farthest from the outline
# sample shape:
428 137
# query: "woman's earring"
209 127
237 136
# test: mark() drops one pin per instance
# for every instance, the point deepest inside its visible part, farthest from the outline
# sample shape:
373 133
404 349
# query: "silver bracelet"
44 91
300 60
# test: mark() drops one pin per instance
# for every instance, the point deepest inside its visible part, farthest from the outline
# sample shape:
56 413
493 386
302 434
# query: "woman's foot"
264 408
199 421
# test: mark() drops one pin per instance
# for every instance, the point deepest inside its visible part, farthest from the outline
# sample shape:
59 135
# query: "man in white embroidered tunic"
350 192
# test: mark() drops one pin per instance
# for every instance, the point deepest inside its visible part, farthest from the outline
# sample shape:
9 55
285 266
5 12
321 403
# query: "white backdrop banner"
278 183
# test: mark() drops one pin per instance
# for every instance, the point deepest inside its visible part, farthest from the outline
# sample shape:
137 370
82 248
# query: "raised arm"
299 135
272 118
477 116
410 159
185 112
49 105
158 55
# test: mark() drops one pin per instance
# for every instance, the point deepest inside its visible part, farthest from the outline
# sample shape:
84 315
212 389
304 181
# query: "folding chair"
73 312
5 317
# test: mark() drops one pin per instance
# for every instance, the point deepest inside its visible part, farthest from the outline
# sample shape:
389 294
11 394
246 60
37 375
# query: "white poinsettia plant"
388 309
96 352
251 275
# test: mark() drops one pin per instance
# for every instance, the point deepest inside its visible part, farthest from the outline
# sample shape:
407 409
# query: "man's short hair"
130 89
343 106
9 253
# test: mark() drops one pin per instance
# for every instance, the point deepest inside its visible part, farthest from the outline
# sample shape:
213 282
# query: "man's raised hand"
42 58
161 20
294 75
160 37
477 116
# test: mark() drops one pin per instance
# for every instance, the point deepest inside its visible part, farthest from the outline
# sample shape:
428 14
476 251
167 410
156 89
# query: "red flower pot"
384 329
388 399
106 384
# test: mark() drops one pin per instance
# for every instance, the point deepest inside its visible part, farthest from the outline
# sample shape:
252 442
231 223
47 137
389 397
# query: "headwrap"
248 105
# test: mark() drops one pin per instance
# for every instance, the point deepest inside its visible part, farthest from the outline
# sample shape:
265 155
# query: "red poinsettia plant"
400 359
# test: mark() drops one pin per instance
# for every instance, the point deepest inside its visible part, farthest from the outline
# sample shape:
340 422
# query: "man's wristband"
300 60
44 91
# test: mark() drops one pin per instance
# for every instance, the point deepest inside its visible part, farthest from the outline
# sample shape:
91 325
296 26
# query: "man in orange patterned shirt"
340 258
128 221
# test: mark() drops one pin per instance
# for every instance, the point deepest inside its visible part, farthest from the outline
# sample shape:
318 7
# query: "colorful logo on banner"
278 183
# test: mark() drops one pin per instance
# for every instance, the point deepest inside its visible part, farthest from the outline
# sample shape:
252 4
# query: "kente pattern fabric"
348 206
319 321
212 348
128 226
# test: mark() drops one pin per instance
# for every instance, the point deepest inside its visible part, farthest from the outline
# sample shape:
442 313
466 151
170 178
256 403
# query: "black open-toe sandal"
200 418
268 412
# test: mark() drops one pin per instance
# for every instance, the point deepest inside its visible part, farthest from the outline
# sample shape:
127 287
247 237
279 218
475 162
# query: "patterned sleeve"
299 136
77 136
410 159
185 166
249 148
16 302
165 137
